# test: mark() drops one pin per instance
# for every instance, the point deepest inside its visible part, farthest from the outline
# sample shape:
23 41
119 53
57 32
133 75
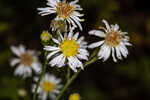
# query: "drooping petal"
97 33
96 44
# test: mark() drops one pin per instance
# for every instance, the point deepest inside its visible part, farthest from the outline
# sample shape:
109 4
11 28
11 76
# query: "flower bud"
74 96
59 25
45 36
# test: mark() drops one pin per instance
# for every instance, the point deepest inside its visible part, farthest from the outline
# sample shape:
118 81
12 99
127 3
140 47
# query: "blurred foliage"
10 88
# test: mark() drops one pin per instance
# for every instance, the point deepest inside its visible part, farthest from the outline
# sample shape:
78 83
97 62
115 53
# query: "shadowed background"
128 79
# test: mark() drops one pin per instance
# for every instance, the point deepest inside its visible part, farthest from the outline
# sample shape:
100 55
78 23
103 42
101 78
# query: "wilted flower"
115 42
65 11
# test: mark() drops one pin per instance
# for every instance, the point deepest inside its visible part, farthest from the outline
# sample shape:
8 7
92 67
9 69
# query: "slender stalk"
40 77
68 73
73 78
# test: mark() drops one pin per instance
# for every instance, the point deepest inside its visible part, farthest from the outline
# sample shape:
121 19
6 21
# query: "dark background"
128 79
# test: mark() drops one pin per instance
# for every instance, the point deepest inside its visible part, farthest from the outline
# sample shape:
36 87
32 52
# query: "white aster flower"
114 43
65 11
49 86
26 61
68 49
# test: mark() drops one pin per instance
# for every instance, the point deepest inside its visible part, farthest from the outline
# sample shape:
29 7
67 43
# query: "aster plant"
64 47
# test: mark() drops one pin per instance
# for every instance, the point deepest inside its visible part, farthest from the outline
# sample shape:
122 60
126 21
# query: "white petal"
19 70
70 21
44 96
118 53
123 50
106 23
46 11
52 53
104 52
71 64
70 35
57 61
116 27
37 67
97 33
80 39
80 56
56 41
27 71
74 63
76 13
76 35
53 2
62 62
16 50
77 22
74 2
113 55
14 61
107 53
22 49
83 52
96 44
128 44
51 48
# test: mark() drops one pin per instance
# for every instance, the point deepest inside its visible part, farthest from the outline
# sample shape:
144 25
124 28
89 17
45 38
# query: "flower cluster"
64 47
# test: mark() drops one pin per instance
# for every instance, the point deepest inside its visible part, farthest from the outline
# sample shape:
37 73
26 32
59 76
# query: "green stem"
68 73
73 78
40 77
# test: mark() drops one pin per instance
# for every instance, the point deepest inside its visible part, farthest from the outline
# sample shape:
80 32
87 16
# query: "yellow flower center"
26 59
48 86
74 96
113 38
65 10
69 47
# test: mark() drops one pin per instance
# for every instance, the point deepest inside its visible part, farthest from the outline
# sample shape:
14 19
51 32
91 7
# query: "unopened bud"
22 92
45 36
74 96
59 25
